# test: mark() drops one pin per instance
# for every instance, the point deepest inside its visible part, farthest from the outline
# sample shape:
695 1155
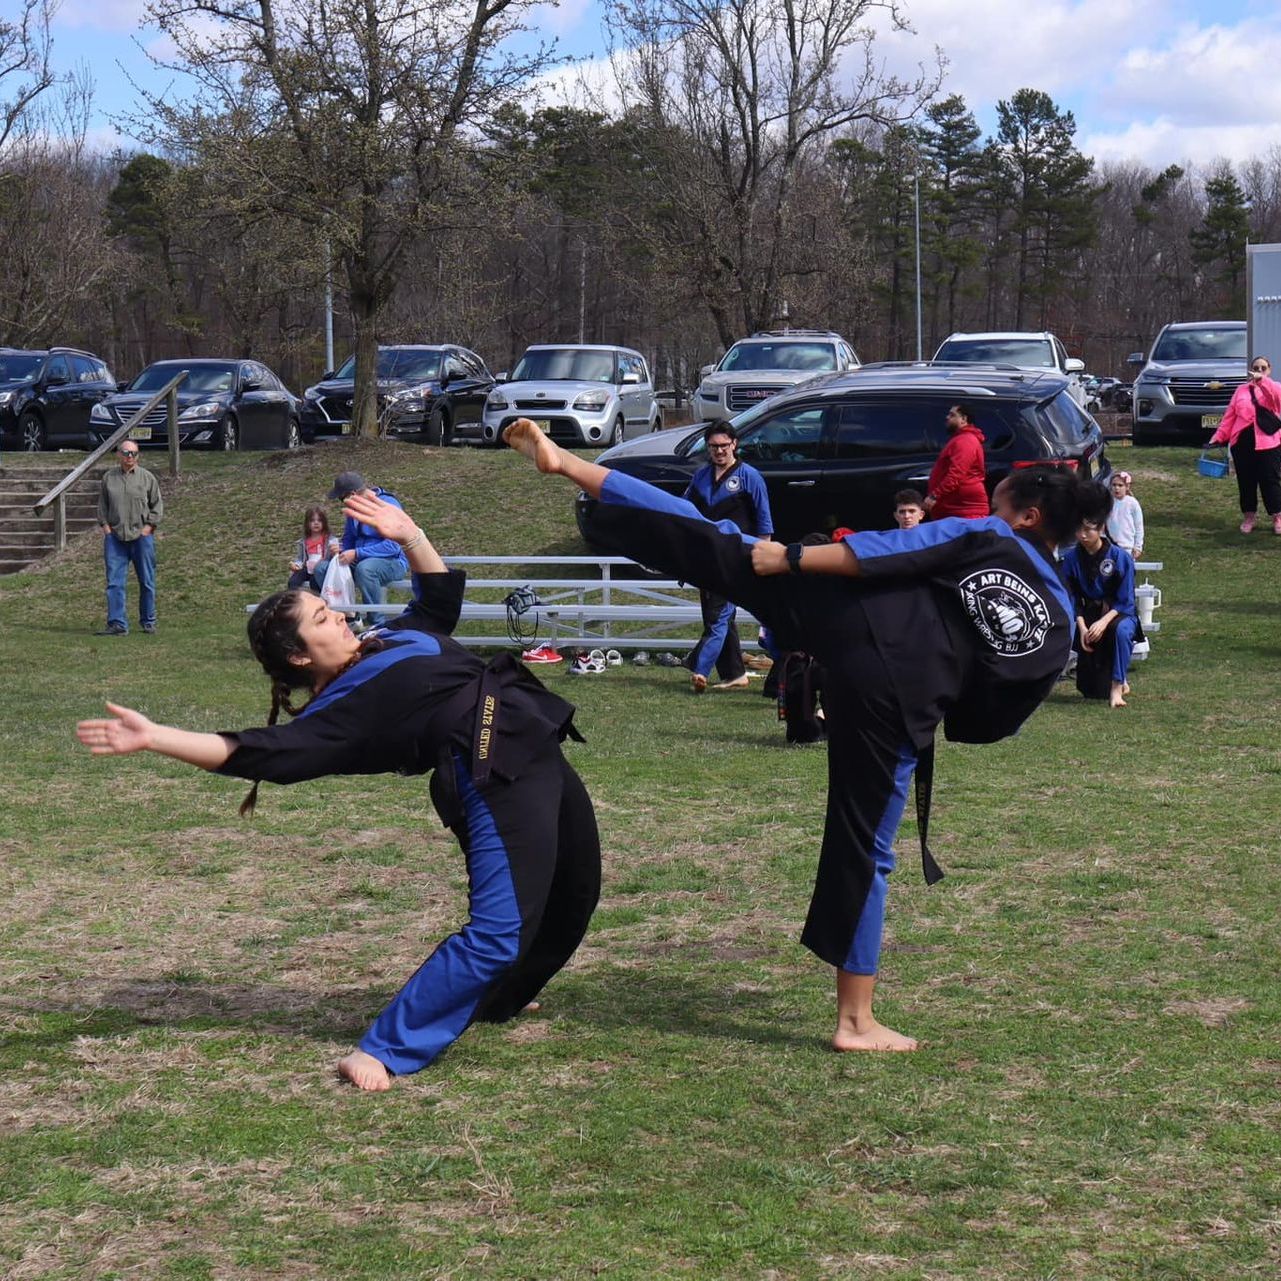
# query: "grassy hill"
1095 980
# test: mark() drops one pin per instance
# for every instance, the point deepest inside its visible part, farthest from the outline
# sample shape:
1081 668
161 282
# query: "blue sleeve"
384 548
349 535
925 550
760 498
1072 578
1123 598
691 490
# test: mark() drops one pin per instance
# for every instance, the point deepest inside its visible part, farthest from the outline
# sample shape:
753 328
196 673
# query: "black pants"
869 752
1257 470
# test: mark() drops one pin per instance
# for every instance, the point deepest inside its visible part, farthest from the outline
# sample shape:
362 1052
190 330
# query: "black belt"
924 787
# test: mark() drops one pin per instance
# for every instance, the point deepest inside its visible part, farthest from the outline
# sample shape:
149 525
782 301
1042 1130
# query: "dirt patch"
1212 1012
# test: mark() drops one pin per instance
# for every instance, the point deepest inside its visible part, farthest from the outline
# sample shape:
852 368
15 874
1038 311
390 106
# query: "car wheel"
295 435
616 436
440 430
31 433
229 435
658 422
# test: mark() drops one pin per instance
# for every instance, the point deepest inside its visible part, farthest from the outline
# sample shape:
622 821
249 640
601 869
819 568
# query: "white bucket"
1146 599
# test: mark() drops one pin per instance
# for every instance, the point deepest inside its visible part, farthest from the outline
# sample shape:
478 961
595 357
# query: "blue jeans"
118 555
372 575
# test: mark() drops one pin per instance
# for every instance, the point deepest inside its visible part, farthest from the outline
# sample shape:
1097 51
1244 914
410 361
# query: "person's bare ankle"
867 1034
364 1071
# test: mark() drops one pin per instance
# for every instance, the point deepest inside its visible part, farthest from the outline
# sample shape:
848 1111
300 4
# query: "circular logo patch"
1106 569
733 484
1006 612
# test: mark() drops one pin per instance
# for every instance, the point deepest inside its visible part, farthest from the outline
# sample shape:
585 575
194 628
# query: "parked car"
46 396
222 404
1037 351
835 450
1119 397
756 368
1184 386
579 394
434 391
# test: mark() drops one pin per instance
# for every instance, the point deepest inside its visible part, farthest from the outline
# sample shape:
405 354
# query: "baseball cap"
347 482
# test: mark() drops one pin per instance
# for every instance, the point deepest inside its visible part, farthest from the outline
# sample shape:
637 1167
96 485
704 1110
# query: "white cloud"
560 16
101 15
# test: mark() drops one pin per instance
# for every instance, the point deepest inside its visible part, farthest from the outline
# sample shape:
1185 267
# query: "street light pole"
916 193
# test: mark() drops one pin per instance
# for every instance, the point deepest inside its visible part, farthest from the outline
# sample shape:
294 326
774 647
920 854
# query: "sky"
1155 81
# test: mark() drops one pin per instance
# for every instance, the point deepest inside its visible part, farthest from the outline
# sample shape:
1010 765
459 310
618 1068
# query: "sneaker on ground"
149 628
668 660
1248 523
641 658
112 629
613 658
541 654
585 665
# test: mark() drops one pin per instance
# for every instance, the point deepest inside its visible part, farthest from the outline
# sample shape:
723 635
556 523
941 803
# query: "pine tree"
1219 242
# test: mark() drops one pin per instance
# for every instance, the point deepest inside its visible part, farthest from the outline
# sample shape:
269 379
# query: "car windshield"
203 376
813 357
1026 353
1201 344
403 363
564 364
13 368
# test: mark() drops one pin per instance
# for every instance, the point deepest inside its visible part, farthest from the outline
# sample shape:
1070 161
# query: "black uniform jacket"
981 648
408 706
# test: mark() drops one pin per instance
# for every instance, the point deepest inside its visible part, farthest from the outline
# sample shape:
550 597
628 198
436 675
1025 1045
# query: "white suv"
1022 350
756 368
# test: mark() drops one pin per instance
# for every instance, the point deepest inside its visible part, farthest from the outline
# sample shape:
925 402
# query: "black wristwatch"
794 551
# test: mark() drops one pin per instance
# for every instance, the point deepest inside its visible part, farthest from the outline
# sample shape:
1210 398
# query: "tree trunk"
364 401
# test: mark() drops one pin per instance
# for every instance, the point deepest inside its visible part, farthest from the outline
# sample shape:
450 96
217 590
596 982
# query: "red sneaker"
541 654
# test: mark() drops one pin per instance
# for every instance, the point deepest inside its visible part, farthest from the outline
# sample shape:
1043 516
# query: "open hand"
127 732
389 520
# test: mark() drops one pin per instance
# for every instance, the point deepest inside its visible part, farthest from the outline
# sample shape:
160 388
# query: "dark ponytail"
1064 498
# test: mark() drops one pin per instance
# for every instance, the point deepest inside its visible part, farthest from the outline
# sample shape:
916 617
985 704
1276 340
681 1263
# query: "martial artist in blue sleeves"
725 490
409 699
1100 576
964 622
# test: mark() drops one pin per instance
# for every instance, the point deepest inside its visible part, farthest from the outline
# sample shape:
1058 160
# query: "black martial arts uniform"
492 734
959 621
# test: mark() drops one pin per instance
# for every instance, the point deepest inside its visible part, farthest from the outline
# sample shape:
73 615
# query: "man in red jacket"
957 484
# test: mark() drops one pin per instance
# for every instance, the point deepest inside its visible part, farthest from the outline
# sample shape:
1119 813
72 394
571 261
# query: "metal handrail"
58 492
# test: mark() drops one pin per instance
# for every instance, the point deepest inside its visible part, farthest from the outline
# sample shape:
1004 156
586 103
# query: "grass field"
1096 981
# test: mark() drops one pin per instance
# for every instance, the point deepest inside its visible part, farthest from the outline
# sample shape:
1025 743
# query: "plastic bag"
339 588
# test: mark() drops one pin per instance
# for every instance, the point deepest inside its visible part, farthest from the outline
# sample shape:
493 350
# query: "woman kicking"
407 699
960 621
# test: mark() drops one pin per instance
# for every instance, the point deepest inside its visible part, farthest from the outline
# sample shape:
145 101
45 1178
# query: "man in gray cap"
375 561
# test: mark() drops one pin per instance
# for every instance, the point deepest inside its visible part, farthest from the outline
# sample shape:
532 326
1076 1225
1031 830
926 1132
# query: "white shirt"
1125 525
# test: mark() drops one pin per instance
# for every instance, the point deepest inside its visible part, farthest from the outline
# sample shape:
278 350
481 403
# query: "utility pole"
329 309
916 195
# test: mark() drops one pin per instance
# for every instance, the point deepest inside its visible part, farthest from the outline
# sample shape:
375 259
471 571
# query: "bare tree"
359 118
741 94
25 68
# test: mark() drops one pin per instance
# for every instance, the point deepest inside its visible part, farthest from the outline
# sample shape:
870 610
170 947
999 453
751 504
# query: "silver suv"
756 368
578 394
1039 351
1187 381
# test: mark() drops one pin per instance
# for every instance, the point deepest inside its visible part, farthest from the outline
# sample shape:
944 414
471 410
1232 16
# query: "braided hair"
274 640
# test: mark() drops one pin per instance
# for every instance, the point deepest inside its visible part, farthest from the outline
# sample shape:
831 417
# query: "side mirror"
57 380
1136 358
1074 366
124 386
630 377
447 376
501 376
251 384
706 369
329 373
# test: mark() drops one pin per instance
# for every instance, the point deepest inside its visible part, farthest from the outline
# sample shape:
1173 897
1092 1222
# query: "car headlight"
206 409
496 400
312 393
592 400
98 414
6 398
708 393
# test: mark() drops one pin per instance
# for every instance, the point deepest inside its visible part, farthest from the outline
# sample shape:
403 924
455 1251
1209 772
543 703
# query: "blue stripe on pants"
710 650
1123 647
434 1008
865 951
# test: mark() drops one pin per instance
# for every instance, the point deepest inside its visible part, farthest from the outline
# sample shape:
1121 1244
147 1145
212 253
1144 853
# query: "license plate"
543 424
1210 421
140 433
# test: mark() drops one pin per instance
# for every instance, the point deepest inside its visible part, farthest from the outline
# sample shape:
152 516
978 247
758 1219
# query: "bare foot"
1125 689
698 683
527 438
873 1036
739 682
1117 696
364 1071
532 1007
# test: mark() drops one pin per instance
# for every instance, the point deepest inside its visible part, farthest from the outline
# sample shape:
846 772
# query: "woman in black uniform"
960 621
408 699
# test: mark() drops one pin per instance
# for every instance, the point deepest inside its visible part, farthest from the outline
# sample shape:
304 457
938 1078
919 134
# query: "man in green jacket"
129 509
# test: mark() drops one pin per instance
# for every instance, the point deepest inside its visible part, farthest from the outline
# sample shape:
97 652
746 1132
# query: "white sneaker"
613 658
586 665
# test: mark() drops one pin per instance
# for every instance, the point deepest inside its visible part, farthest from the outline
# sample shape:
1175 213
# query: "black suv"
46 396
835 450
431 392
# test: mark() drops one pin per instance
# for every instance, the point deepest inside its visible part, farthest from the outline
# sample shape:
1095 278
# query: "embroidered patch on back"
1006 612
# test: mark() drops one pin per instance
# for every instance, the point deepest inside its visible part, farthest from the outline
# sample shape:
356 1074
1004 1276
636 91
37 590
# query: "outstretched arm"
832 558
397 524
128 731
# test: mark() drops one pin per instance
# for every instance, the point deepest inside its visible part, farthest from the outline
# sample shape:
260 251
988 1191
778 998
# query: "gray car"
1186 382
579 394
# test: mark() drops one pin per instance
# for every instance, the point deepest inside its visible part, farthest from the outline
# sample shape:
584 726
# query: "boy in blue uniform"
1100 576
964 622
725 489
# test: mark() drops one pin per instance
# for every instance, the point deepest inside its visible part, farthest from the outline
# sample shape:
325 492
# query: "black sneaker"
149 628
113 629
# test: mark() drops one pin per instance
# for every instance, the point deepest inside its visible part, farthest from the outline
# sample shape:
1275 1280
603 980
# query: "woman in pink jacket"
1255 443
958 481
